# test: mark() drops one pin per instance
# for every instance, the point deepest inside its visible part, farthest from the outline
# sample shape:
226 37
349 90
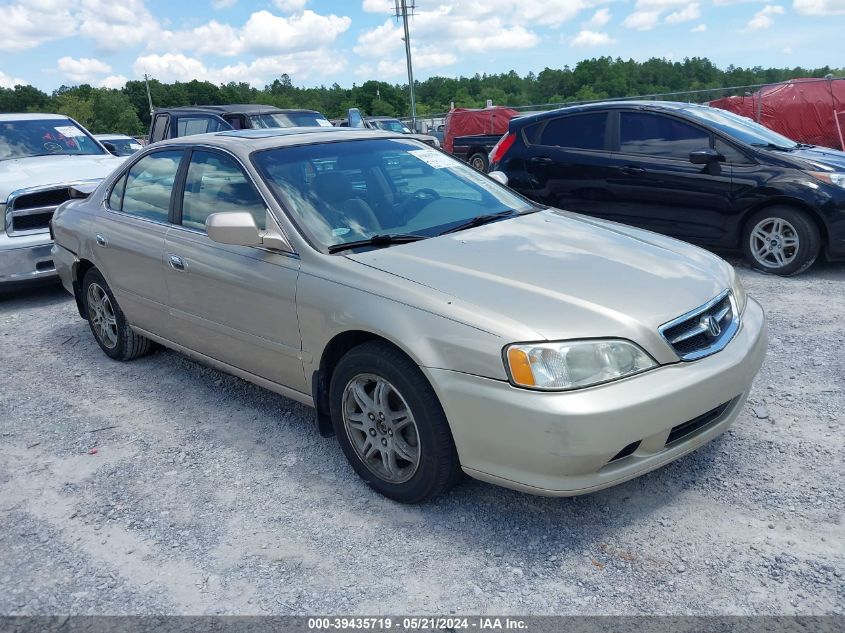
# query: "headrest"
333 186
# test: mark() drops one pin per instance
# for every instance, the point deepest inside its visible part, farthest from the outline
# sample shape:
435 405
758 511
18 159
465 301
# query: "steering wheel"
52 146
416 202
426 194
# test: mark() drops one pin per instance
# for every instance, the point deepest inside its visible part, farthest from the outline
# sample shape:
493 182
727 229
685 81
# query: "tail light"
501 148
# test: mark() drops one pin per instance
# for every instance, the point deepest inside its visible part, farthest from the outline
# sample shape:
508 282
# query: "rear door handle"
541 159
101 241
632 170
176 262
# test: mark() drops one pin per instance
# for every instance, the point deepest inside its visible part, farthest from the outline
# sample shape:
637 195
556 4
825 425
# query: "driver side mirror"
111 147
239 229
705 157
500 177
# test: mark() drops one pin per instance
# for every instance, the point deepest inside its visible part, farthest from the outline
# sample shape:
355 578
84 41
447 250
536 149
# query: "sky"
49 43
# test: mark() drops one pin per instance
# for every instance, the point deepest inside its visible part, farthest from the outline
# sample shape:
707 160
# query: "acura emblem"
711 326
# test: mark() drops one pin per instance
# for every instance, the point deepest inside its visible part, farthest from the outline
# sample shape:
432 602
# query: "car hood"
821 157
42 171
557 275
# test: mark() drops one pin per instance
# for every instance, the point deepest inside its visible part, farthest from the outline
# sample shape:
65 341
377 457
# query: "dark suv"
189 120
697 173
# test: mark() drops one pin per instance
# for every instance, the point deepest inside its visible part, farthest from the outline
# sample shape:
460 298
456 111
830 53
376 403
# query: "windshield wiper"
379 239
480 220
779 148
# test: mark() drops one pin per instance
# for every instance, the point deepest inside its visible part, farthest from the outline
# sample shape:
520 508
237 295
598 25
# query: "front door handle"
177 263
541 159
632 170
101 241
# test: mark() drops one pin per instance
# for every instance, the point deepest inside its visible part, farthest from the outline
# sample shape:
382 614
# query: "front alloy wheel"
775 243
781 240
381 428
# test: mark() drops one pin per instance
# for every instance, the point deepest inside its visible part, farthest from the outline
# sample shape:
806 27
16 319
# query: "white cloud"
178 67
224 4
290 6
599 19
690 12
642 20
263 34
763 18
82 70
787 50
23 25
7 81
819 7
115 82
591 38
698 28
115 25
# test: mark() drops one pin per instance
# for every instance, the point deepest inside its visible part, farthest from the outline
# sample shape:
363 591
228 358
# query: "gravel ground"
162 486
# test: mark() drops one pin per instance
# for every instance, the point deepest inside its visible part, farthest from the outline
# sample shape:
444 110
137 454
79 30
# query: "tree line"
127 111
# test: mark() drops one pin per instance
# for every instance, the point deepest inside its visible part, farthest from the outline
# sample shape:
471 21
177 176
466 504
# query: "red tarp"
802 109
464 121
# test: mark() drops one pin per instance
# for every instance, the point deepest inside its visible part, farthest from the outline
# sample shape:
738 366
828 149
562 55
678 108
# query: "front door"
655 186
236 304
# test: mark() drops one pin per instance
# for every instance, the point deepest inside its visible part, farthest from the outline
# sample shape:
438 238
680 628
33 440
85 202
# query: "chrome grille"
705 330
30 211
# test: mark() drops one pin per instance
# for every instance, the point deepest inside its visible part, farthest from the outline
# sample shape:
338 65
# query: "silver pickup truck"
42 158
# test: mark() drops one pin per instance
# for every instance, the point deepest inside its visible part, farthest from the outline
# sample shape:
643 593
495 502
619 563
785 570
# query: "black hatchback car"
696 173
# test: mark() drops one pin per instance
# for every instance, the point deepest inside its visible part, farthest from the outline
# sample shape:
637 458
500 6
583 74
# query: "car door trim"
276 387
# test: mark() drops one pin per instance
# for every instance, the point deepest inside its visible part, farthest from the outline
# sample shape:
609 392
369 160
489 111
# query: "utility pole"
403 9
149 98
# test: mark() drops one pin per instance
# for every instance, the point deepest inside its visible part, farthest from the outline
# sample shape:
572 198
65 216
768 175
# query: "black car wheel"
390 424
107 322
781 240
480 161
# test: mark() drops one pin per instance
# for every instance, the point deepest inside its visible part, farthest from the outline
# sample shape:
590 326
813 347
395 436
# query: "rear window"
578 131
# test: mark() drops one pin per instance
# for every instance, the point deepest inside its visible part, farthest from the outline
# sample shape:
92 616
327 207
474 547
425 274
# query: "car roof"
32 116
234 108
673 106
108 136
246 141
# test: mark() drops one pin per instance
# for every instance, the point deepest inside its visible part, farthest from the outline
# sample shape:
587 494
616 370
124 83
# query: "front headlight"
830 177
738 291
568 365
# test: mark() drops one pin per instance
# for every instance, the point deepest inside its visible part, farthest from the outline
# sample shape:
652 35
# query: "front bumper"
562 444
25 259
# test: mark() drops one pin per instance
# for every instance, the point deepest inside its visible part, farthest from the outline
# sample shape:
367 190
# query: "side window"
190 125
116 195
658 135
159 127
579 131
216 184
149 184
731 154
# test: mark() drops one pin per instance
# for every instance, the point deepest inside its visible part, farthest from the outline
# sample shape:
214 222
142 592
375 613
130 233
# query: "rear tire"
480 161
391 425
107 322
781 240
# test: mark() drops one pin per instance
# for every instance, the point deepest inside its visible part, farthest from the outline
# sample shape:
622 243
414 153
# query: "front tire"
391 425
781 241
107 322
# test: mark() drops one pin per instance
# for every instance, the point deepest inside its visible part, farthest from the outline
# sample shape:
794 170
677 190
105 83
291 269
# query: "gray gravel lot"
204 494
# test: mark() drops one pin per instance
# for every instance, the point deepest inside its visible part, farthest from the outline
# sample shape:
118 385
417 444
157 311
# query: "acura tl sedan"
439 323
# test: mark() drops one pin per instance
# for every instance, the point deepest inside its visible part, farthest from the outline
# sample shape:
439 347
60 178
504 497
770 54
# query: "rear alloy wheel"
781 240
112 333
391 425
480 161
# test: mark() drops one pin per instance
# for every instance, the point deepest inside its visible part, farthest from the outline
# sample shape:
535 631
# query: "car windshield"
348 191
740 128
41 137
288 119
391 125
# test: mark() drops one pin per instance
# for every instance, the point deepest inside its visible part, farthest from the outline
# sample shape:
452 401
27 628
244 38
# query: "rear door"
236 304
567 160
130 238
655 186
